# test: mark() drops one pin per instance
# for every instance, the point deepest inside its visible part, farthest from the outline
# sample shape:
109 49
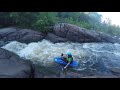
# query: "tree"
24 19
108 21
45 19
5 20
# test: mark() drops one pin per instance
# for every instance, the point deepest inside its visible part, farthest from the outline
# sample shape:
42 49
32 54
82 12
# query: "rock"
46 72
54 38
12 66
78 34
21 35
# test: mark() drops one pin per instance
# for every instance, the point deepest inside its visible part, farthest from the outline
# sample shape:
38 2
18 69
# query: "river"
91 56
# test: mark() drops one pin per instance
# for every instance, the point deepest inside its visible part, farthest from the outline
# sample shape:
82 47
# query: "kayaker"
67 58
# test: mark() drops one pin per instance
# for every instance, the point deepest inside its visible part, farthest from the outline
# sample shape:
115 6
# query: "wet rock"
21 35
82 35
54 38
12 66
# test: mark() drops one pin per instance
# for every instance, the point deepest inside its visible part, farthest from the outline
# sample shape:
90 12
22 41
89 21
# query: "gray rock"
54 38
77 34
21 35
12 66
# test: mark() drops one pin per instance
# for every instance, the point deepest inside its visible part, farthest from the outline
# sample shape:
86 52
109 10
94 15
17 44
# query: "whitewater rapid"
44 51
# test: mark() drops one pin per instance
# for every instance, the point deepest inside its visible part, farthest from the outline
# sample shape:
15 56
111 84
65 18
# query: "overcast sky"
114 16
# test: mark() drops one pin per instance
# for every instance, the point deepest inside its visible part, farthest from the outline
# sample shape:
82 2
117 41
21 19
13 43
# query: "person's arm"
69 61
67 65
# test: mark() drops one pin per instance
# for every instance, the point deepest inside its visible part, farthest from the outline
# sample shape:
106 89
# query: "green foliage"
41 21
24 19
5 19
45 19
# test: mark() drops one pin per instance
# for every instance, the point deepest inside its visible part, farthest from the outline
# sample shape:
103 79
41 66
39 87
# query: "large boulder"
54 38
21 35
12 66
78 34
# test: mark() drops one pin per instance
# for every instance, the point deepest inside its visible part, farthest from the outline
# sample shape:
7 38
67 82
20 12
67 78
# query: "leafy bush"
45 19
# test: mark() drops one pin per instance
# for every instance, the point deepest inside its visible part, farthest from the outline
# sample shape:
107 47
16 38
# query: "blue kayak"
60 61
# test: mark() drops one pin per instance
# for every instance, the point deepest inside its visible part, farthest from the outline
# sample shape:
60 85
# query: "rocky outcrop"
77 34
21 35
62 32
12 66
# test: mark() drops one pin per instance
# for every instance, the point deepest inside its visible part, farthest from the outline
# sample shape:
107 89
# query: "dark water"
3 43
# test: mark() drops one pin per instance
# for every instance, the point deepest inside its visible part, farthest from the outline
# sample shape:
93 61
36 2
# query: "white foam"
14 46
45 51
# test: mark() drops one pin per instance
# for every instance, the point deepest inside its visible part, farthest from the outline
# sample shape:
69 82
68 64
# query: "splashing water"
44 51
14 46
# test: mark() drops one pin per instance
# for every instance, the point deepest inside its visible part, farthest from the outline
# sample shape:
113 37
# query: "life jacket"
69 59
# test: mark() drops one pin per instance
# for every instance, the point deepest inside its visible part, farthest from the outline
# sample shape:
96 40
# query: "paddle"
66 65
